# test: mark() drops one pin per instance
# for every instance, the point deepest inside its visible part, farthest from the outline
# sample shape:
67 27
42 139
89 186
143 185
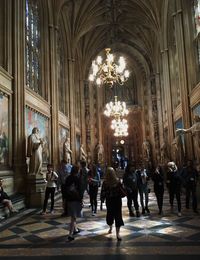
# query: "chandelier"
109 72
116 109
120 127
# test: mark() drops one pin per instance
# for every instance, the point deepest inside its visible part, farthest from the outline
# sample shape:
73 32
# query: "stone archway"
132 145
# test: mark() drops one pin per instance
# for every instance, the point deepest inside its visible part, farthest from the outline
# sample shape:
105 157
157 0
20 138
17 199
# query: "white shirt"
51 177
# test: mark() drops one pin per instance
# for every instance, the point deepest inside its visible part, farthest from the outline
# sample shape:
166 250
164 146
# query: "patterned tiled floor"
31 234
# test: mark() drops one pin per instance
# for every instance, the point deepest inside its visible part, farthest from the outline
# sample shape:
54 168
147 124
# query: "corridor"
29 235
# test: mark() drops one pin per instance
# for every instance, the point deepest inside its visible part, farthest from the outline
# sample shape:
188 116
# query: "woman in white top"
51 178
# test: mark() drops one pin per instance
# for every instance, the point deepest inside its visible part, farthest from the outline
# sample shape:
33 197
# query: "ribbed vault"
132 25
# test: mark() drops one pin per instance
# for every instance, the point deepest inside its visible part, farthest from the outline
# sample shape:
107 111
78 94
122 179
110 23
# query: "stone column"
82 112
87 119
155 115
160 108
71 108
167 91
53 34
19 146
179 34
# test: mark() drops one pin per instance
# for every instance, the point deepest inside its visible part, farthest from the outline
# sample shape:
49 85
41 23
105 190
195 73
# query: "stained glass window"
197 25
33 46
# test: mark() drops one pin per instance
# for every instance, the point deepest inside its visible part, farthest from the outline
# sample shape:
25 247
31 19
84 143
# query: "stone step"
18 201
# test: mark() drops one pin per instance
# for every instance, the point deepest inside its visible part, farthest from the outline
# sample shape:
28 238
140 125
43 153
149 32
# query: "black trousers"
132 197
114 211
49 190
93 190
63 199
175 191
191 189
159 196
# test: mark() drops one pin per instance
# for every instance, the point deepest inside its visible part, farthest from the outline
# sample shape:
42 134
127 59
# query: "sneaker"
143 211
52 212
179 214
137 214
93 214
76 231
43 213
14 211
119 238
110 230
131 214
147 210
70 238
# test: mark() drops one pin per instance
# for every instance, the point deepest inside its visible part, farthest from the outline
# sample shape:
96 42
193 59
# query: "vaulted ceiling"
131 27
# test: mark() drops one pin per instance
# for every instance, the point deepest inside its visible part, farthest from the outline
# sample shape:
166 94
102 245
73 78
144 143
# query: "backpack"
72 192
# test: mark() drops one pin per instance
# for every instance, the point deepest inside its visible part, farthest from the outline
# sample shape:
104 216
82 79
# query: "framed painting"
4 130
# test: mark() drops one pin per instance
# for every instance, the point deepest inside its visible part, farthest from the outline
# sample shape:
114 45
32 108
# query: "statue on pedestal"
67 152
147 149
83 155
99 153
195 131
34 152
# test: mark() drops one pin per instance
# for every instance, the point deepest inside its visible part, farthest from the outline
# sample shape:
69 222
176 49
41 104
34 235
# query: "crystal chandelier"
116 109
120 127
109 72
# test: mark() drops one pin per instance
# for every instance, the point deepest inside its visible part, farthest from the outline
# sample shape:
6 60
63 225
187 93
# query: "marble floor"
29 235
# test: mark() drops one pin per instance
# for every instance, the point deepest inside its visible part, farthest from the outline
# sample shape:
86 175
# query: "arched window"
197 26
33 46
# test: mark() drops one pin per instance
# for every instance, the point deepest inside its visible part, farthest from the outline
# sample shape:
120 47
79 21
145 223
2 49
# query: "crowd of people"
75 180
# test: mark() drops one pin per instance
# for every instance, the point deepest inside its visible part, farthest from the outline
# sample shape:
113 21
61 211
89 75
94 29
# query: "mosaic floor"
29 235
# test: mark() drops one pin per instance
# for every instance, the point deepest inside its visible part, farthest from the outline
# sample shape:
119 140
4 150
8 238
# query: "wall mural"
34 119
63 132
4 134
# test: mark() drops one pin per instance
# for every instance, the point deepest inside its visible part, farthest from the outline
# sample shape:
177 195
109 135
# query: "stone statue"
100 153
67 152
83 155
147 149
195 131
34 152
164 155
178 153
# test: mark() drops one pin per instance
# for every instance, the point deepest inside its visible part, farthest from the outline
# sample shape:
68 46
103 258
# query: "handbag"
122 191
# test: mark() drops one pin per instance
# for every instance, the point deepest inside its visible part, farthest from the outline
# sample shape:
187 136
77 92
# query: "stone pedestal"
36 185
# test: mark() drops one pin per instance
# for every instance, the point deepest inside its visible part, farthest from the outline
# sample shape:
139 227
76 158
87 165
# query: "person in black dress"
158 179
110 192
